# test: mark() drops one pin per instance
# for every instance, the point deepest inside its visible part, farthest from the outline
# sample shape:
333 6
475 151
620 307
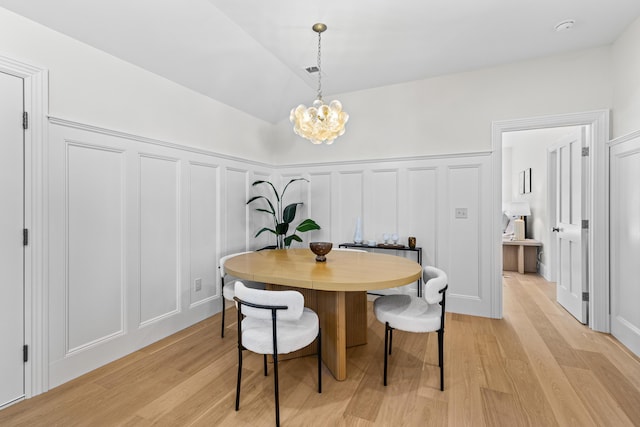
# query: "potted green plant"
282 218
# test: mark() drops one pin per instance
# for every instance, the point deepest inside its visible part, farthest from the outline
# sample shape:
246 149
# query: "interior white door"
625 242
11 242
568 173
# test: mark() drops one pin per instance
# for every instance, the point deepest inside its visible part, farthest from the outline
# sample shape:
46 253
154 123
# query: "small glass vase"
357 235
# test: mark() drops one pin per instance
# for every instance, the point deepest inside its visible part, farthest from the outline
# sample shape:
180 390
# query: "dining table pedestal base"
343 320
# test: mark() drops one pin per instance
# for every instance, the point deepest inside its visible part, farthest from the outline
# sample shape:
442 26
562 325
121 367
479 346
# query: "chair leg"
441 357
319 339
275 382
239 378
265 364
390 339
386 344
222 328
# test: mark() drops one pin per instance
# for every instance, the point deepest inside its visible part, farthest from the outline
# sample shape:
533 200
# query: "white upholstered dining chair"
411 313
274 322
227 285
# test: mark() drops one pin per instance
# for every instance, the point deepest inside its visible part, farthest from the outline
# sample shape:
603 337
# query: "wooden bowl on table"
320 249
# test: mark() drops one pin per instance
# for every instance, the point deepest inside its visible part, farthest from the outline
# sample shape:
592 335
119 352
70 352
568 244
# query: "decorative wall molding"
147 140
173 202
395 159
414 198
625 138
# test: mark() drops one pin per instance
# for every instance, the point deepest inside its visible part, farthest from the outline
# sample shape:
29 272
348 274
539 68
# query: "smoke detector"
565 25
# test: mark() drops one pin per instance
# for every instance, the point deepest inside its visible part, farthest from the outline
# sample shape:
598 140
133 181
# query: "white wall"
92 87
453 113
626 81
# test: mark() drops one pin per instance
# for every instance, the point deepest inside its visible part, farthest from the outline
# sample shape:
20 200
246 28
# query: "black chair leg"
239 378
222 329
390 339
319 339
441 357
264 358
275 382
386 344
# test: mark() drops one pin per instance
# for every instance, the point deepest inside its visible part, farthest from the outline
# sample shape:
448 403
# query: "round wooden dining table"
335 290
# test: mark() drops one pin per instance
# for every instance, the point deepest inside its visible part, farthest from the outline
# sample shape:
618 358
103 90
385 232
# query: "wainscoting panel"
133 224
416 198
382 214
259 220
95 244
463 192
236 228
349 205
625 240
159 237
320 206
420 218
203 227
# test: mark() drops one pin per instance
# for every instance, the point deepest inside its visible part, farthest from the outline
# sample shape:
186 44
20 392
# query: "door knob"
555 229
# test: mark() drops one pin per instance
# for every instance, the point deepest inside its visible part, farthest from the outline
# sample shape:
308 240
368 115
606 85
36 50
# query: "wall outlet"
198 285
461 213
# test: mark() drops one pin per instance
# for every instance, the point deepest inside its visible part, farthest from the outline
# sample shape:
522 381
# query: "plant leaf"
288 239
289 213
282 228
307 225
272 211
265 229
272 187
293 180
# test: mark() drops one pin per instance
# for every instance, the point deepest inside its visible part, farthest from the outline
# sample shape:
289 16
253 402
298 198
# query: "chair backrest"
434 281
225 258
293 300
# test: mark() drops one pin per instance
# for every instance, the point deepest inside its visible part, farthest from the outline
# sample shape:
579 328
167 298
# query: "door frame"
598 208
36 104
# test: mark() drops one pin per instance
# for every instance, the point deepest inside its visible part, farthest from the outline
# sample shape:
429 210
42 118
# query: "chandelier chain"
320 123
319 67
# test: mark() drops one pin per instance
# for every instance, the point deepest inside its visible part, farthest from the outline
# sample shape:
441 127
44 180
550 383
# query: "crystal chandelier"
320 122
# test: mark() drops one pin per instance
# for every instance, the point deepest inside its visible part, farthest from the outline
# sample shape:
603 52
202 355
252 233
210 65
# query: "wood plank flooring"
535 367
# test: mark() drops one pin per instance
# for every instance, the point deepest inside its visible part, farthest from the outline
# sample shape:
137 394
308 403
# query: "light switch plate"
461 213
198 285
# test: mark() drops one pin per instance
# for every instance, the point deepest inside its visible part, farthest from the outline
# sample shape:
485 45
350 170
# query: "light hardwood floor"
537 367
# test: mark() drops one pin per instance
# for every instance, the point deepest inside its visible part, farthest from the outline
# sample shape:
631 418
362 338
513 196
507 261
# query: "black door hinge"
585 151
25 353
25 120
25 236
585 296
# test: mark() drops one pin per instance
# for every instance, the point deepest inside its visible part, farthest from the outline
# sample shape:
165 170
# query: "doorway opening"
597 132
543 170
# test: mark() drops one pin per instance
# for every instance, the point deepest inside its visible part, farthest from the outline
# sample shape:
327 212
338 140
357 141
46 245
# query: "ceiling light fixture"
320 122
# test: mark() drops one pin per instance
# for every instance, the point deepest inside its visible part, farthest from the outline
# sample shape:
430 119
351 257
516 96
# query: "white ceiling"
250 54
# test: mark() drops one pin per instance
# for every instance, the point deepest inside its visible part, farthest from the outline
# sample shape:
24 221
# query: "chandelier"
320 122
